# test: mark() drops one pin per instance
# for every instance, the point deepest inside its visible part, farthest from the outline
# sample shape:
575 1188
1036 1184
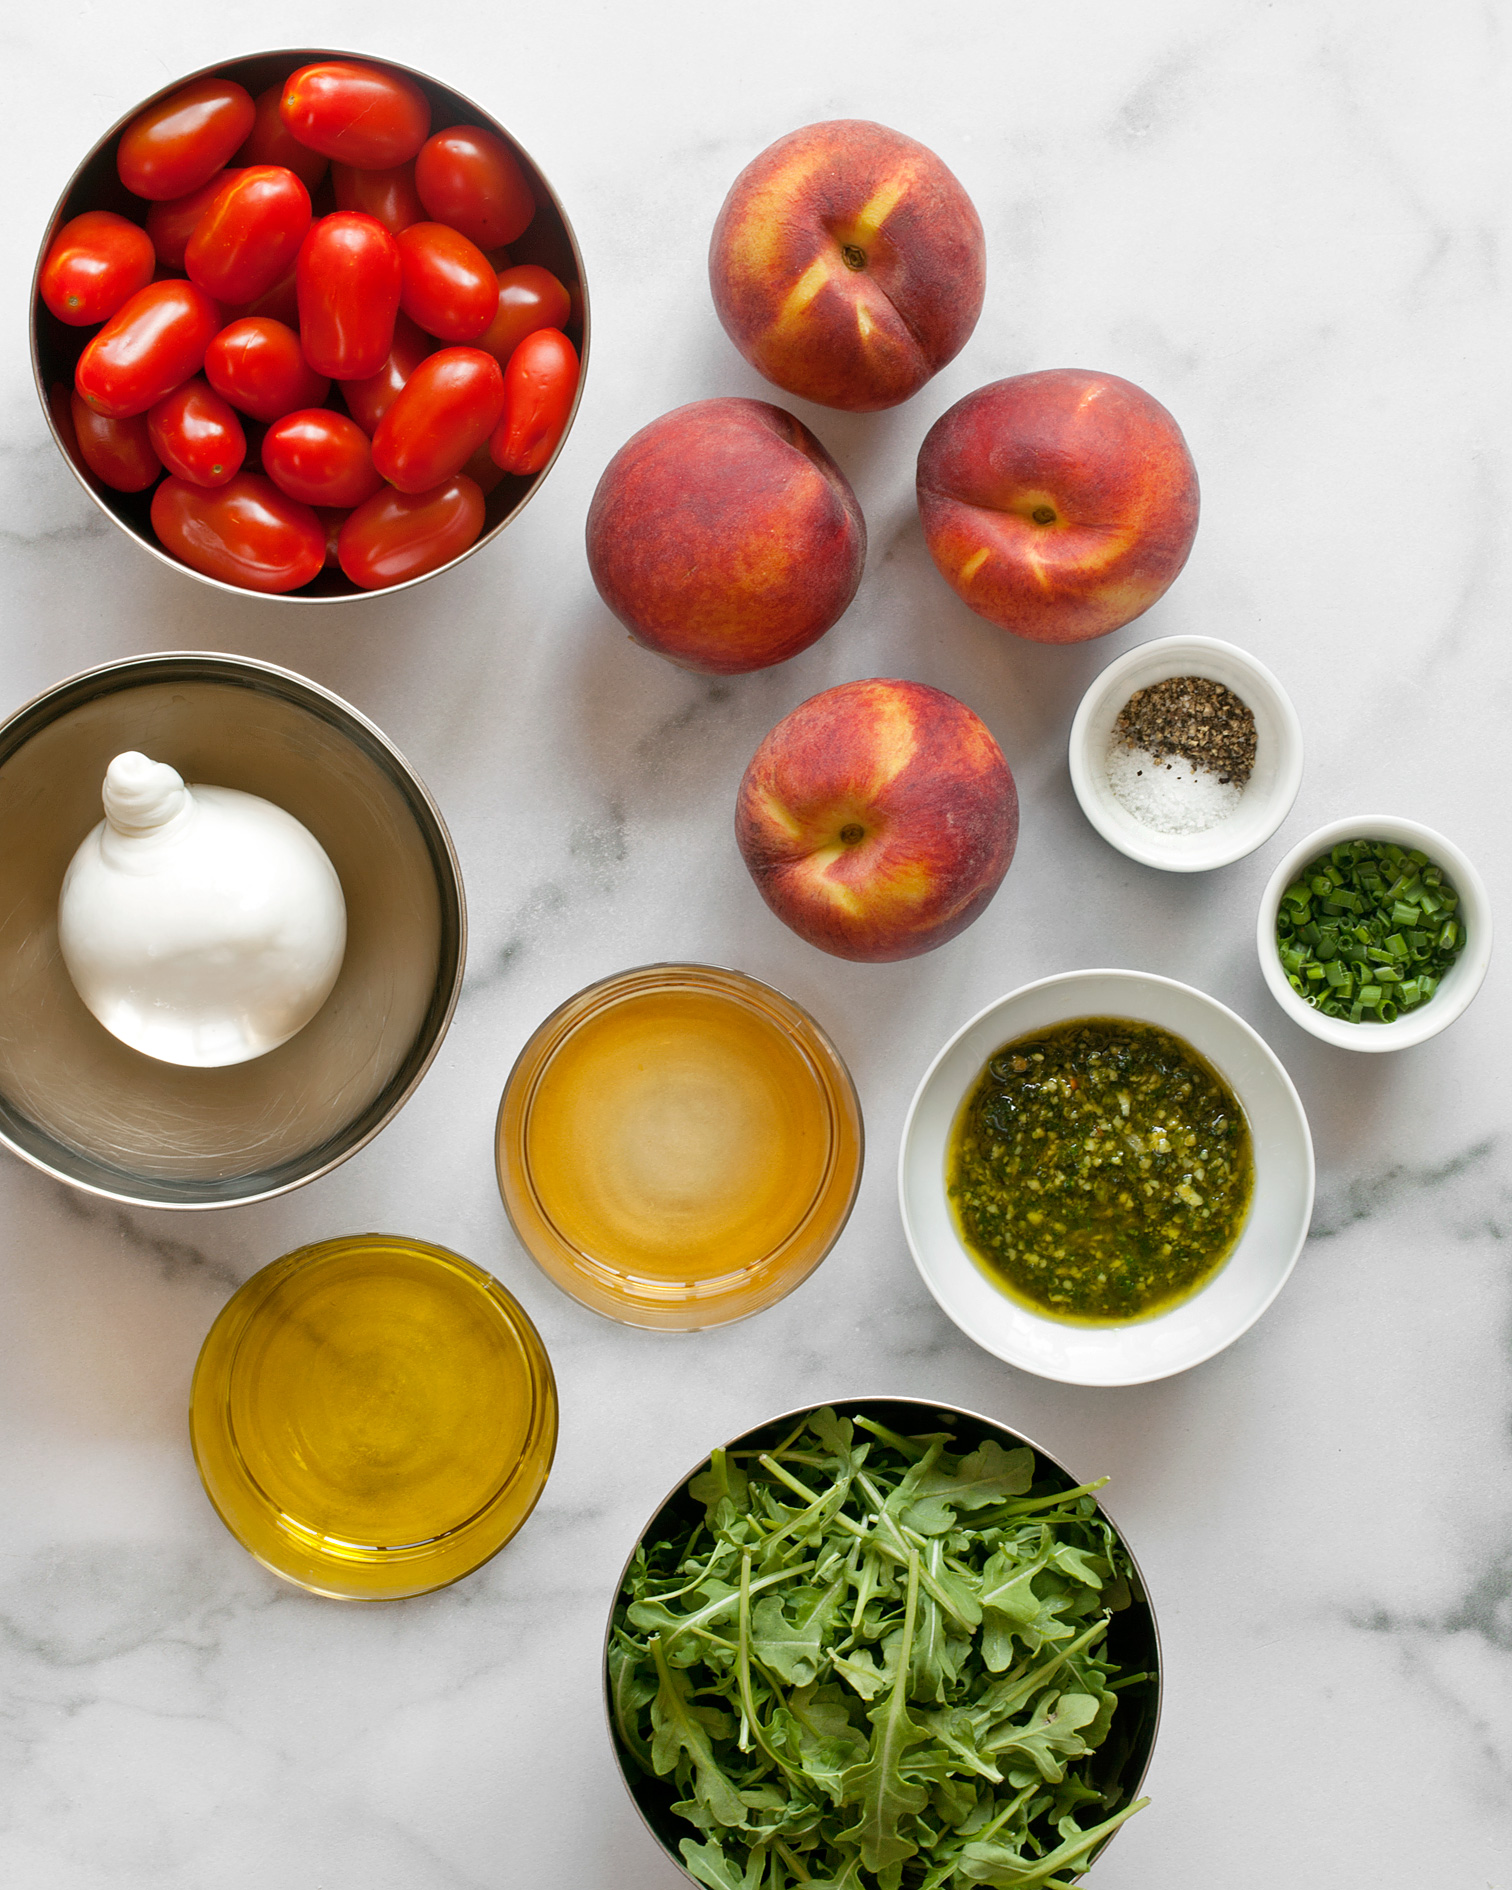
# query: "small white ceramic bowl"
1142 1349
1460 982
1268 794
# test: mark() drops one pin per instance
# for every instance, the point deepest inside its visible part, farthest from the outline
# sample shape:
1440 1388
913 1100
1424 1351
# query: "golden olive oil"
370 1414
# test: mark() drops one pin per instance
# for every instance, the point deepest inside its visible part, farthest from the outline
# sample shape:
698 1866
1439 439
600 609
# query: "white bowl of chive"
1374 933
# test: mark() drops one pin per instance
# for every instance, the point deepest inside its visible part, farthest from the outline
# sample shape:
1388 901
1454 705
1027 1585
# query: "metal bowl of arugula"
882 1643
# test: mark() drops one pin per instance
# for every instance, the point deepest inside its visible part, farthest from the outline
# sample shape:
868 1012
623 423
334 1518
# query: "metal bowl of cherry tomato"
309 324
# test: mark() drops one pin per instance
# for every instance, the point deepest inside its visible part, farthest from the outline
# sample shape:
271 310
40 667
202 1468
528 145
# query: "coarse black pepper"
1196 718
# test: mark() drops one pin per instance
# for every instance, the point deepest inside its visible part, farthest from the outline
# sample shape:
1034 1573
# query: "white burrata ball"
200 925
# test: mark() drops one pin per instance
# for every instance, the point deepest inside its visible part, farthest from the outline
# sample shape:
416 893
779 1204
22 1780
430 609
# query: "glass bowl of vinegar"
679 1146
373 1417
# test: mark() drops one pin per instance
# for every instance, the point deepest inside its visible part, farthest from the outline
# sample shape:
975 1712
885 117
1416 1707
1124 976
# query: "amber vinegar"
679 1146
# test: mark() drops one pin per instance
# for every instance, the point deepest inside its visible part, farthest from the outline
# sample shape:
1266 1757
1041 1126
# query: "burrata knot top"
142 796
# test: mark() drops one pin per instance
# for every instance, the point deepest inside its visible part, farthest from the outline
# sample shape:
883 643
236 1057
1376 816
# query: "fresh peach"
848 265
1058 505
724 537
878 819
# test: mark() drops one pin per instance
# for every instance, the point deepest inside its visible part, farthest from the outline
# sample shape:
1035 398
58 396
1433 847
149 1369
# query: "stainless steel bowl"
1133 1636
84 1108
56 347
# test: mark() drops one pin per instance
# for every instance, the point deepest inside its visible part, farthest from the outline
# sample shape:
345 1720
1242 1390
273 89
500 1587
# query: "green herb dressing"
1100 1171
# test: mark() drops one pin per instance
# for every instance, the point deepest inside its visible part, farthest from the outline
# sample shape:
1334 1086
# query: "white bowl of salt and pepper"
1186 754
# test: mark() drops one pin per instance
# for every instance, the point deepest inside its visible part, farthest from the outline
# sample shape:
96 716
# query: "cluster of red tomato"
383 365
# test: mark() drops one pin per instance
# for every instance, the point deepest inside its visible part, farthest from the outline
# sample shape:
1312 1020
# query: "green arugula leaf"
1008 1589
836 1434
723 1481
708 1863
1079 1564
861 1671
1052 1736
791 1650
1016 1610
954 1800
937 1654
793 1647
878 1785
816 1731
958 1734
655 1617
629 1690
989 1475
994 1863
1015 1690
680 1727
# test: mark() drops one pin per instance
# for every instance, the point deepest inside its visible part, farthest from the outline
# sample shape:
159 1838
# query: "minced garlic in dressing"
1100 1171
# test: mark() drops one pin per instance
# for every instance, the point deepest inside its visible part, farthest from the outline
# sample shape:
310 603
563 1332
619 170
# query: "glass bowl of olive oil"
1106 1177
373 1417
679 1146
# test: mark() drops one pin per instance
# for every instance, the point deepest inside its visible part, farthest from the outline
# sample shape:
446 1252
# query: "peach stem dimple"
852 832
853 256
1043 515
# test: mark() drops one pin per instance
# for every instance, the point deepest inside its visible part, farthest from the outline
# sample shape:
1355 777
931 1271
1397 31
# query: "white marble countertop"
1290 223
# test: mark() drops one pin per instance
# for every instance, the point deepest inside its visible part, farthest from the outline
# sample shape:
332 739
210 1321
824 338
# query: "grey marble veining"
1288 221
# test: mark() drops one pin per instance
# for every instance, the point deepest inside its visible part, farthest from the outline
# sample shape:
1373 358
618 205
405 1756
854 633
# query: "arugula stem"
676 1594
905 1446
866 1587
743 1654
908 1550
1065 1854
990 1830
716 1610
898 1704
780 1449
782 1476
779 1455
793 1862
1024 1506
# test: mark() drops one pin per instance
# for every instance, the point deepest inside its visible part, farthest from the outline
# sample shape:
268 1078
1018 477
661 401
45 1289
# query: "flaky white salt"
1172 795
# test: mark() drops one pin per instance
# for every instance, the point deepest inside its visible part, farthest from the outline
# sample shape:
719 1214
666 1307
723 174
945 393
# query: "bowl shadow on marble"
1349 1098
83 1107
688 736
677 737
1133 1639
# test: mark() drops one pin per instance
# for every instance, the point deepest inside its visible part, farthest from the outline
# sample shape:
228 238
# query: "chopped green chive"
1366 931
